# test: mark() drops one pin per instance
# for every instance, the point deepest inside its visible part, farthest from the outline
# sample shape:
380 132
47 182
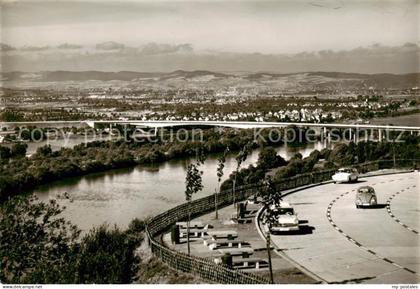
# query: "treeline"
17 150
19 173
39 247
342 155
42 114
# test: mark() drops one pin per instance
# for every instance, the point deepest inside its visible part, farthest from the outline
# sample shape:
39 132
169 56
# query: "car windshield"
285 211
365 191
344 170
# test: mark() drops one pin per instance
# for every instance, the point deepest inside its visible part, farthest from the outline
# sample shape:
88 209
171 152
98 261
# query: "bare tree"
240 159
220 166
271 198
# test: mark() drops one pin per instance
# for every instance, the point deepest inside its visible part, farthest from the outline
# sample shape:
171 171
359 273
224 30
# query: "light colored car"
254 199
345 175
286 218
366 197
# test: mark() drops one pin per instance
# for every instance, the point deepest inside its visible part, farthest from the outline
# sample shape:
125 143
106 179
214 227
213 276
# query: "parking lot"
284 271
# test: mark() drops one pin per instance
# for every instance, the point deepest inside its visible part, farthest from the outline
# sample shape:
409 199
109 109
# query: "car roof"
285 205
345 169
365 188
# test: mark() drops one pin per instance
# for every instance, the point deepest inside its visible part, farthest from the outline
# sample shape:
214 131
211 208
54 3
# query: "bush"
4 153
18 150
268 159
107 257
37 246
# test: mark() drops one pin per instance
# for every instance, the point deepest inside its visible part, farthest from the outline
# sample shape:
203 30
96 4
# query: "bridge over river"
231 124
353 129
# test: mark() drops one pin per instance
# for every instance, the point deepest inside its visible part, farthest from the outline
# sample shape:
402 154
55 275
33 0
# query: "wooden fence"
206 268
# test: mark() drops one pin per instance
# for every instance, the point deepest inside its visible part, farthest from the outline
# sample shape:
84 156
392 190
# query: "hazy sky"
288 26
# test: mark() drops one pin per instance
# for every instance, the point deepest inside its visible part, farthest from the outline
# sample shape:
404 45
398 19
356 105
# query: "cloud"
34 48
155 48
110 45
112 56
6 47
69 46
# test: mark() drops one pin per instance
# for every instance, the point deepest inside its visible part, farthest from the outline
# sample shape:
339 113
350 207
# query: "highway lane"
357 245
404 207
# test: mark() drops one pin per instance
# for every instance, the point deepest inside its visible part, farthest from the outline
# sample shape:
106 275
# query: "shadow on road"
303 230
378 206
352 182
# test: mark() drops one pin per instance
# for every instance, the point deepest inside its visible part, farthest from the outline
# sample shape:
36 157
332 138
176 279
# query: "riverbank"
23 174
142 191
119 195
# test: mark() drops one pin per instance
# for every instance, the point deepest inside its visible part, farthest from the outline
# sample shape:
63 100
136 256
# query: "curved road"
340 243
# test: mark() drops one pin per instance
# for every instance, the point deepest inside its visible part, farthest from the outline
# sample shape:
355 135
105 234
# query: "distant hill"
203 78
101 75
379 80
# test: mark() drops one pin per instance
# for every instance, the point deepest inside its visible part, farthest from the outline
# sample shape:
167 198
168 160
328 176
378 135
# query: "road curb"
279 252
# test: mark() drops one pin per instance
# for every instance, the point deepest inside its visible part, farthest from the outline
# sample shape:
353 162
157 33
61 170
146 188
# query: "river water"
118 196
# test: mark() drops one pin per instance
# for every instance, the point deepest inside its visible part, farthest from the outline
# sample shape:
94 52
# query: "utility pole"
269 256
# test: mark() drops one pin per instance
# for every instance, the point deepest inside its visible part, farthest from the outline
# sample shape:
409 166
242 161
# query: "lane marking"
388 209
409 270
329 208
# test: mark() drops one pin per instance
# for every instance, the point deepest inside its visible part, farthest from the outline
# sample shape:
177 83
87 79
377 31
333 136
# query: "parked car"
366 197
254 199
345 175
286 218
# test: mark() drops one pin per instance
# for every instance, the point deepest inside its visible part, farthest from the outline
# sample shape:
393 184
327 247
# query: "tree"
31 134
36 246
269 193
11 116
19 150
268 159
4 153
240 158
220 166
271 200
44 151
193 184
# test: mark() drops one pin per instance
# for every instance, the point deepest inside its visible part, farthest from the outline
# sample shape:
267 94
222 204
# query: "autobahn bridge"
231 124
247 124
324 128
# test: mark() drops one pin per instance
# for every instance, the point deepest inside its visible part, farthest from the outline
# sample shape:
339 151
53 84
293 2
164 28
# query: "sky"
282 27
237 26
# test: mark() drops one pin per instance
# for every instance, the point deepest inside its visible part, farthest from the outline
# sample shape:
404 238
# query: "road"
340 243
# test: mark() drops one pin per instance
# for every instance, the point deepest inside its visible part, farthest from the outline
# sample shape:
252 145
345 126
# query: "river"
118 196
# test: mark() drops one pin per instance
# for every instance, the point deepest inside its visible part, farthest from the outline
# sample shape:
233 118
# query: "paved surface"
284 271
340 243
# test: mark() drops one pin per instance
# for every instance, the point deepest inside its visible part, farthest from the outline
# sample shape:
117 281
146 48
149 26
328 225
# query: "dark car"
366 197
